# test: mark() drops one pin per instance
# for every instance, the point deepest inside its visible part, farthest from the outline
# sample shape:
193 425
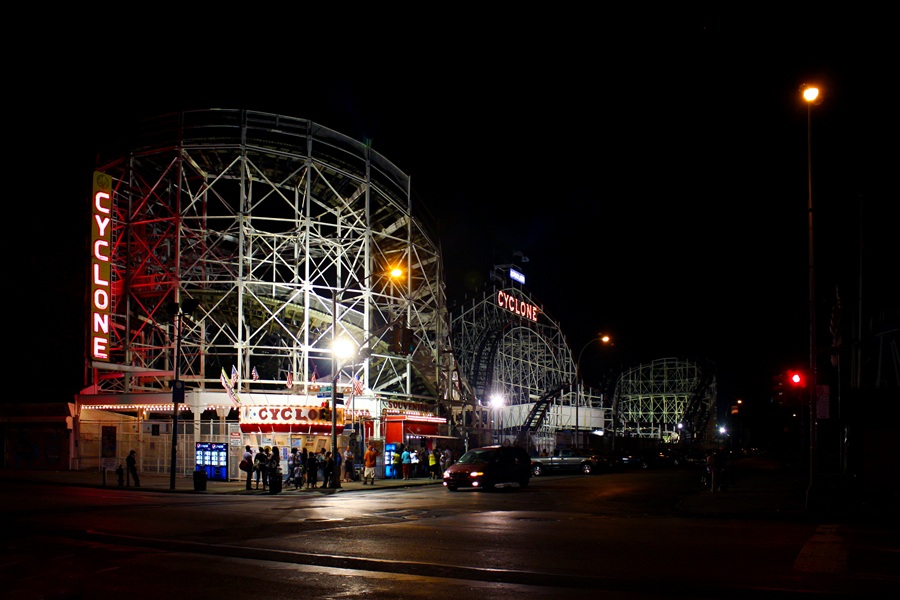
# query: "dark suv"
489 468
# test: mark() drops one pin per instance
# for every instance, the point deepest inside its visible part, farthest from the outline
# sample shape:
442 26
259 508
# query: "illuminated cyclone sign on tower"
101 238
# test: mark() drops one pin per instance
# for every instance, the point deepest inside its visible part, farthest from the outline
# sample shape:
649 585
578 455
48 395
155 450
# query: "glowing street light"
342 349
497 402
603 339
811 94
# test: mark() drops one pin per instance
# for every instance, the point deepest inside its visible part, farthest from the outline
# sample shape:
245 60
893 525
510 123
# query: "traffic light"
397 339
402 341
796 379
778 387
407 343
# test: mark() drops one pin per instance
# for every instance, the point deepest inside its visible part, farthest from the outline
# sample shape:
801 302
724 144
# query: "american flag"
255 374
227 385
357 386
234 375
290 380
315 374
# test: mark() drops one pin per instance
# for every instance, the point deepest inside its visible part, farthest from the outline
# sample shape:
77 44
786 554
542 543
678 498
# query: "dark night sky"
654 173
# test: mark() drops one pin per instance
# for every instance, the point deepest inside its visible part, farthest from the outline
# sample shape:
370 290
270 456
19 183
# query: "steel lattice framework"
267 222
503 353
652 399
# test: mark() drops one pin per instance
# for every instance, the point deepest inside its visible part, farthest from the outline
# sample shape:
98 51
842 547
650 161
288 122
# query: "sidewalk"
156 482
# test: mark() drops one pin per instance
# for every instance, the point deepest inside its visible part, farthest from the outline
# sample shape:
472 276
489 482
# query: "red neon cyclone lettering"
97 253
519 307
97 198
97 279
101 323
101 299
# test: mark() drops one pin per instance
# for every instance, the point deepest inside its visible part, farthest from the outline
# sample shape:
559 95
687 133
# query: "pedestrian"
396 462
328 473
291 463
321 458
304 459
370 459
440 458
259 466
312 470
349 467
417 460
131 463
273 467
710 480
406 462
433 464
248 456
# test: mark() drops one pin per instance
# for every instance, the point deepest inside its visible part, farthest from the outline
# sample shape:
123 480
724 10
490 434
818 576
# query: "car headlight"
476 474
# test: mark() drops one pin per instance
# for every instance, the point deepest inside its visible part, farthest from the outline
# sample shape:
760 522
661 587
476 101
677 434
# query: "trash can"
275 481
199 481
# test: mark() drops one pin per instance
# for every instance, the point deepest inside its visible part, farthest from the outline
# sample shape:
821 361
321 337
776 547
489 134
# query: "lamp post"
177 311
812 96
341 351
604 339
497 406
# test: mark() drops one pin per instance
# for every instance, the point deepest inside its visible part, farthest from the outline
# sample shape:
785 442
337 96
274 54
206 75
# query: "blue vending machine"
389 471
212 458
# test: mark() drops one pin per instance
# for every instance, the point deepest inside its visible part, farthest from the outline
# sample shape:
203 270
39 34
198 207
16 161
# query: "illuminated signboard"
517 276
101 238
289 419
513 304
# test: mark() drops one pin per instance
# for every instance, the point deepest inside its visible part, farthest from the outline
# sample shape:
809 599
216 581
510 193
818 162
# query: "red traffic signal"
796 379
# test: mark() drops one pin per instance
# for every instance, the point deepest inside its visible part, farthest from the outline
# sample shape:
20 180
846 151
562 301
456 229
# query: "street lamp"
811 95
497 405
341 349
177 311
603 339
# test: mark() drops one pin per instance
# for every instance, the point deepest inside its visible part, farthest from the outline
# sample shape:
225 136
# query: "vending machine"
389 471
212 458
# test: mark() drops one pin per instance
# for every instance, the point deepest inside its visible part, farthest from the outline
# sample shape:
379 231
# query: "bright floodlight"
496 400
343 348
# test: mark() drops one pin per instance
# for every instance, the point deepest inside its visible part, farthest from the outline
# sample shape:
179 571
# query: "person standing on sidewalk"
406 462
370 459
395 463
131 463
433 464
259 467
248 456
312 470
349 467
328 473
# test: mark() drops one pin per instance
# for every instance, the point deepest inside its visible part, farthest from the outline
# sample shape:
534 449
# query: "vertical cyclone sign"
101 250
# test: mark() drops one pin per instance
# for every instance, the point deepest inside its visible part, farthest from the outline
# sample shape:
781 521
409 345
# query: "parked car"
614 460
490 468
567 460
656 458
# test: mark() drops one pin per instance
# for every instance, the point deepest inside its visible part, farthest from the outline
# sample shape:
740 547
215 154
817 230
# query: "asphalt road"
628 535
